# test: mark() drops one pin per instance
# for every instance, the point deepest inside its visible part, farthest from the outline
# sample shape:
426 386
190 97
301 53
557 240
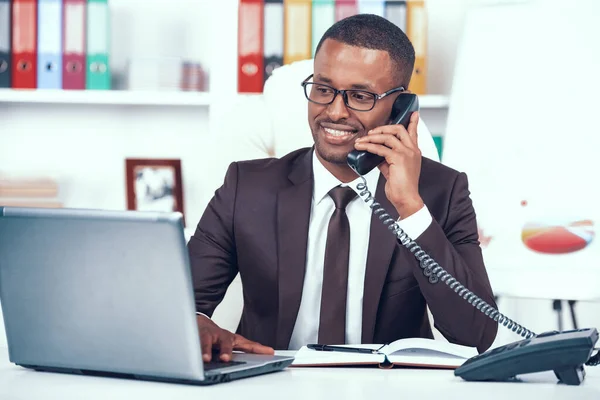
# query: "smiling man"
316 265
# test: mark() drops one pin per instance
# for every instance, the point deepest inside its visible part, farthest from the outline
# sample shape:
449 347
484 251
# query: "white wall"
85 146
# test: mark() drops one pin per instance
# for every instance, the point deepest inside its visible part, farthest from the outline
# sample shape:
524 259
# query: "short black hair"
375 32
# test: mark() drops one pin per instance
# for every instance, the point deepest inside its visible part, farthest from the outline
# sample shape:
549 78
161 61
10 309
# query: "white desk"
17 383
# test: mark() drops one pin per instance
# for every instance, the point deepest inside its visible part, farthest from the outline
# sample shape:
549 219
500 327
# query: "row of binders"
272 33
54 44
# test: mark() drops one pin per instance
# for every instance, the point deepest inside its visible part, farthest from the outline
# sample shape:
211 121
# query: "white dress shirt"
306 329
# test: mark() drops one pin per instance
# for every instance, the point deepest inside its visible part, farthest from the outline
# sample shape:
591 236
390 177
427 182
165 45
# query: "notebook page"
306 356
429 348
426 358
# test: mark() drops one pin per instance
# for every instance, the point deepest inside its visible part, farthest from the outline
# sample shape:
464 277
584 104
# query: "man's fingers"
412 127
207 344
389 129
248 346
407 140
226 346
389 140
398 129
375 148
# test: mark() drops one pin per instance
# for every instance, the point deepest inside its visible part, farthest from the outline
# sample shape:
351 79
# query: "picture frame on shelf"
154 185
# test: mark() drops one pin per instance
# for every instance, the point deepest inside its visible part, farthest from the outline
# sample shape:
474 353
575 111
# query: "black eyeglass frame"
344 94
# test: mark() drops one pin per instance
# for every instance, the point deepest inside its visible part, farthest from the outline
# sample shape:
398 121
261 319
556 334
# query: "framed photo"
154 185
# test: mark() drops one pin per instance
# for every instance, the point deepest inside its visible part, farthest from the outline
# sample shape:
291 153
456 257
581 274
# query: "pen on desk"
325 347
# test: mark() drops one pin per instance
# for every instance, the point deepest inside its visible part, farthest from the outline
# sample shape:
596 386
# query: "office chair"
273 124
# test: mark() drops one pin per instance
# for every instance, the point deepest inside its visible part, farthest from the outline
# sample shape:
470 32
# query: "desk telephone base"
565 353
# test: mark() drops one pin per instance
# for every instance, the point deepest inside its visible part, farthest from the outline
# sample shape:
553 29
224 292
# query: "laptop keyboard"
212 365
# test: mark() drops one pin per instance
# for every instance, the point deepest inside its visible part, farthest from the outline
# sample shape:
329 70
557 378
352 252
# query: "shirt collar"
324 180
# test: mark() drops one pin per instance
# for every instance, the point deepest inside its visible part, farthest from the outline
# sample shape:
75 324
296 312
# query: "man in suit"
317 266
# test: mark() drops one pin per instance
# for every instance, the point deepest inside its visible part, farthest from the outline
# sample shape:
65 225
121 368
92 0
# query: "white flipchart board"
524 124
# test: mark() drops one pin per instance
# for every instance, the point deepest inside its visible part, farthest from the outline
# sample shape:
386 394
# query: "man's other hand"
402 166
225 342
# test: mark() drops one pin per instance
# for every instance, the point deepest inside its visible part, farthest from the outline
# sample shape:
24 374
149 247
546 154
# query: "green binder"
323 16
439 143
98 74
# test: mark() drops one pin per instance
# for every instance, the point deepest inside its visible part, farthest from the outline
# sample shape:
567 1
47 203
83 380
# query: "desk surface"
17 383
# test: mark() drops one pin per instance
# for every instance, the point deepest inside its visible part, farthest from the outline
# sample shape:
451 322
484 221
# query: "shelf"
143 98
108 97
433 101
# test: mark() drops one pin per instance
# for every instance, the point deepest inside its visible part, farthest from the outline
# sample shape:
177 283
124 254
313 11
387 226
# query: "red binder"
74 53
24 44
250 46
345 8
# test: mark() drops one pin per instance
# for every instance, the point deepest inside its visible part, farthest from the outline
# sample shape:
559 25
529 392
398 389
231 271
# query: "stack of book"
29 192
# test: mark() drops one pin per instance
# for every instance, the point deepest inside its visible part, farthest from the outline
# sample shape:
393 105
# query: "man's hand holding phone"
402 165
225 342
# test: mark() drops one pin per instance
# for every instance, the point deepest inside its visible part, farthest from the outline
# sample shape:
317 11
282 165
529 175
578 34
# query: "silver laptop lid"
98 290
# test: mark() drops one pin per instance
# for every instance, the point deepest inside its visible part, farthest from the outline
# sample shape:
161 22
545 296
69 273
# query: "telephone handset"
536 353
403 107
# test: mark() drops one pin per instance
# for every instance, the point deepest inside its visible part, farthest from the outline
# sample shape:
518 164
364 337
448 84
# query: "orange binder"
416 30
24 44
250 46
297 30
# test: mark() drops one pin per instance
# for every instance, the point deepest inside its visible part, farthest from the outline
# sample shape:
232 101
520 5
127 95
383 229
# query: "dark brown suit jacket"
257 224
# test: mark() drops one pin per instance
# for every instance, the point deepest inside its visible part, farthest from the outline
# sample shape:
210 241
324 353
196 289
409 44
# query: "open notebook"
412 352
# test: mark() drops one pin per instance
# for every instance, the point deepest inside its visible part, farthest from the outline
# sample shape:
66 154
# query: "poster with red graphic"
529 148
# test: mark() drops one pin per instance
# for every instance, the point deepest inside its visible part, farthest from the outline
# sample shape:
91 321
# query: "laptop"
106 293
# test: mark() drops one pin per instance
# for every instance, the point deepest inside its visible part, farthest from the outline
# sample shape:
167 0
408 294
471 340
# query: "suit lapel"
381 247
293 217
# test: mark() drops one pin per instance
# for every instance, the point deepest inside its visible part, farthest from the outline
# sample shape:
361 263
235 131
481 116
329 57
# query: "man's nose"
337 110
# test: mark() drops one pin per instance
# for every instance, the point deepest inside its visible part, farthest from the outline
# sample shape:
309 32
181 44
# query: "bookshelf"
110 97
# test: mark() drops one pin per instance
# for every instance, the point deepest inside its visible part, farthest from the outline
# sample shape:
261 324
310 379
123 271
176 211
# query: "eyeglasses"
359 100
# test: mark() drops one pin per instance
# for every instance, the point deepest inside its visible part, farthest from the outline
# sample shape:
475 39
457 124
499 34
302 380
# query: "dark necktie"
332 324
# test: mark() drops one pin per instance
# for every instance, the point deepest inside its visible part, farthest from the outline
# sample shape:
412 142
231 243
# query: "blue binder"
50 22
